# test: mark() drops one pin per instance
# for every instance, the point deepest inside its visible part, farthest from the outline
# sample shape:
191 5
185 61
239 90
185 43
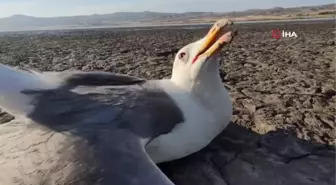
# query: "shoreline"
151 26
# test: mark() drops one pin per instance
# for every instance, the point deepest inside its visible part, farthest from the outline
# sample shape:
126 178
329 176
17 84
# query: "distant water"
296 21
202 25
293 20
172 26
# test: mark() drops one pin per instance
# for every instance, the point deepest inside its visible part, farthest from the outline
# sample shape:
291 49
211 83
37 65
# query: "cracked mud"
283 91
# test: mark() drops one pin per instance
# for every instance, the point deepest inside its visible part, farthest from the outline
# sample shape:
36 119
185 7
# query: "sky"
51 8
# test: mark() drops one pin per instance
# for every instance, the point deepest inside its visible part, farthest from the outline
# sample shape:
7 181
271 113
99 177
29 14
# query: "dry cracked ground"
283 91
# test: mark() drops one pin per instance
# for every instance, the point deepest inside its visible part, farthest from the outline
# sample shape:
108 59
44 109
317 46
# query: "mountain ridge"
22 22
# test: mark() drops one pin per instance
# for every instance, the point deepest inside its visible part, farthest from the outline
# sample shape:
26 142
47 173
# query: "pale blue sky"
49 8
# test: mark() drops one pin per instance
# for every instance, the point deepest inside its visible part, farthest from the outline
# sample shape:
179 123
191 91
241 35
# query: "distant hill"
23 22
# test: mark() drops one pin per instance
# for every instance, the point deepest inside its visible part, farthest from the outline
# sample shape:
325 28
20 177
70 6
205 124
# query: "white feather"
13 81
205 114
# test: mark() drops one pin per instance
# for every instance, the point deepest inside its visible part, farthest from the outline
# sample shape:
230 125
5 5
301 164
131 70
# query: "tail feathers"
13 81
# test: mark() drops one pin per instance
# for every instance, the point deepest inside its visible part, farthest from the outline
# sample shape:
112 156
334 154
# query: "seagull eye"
181 55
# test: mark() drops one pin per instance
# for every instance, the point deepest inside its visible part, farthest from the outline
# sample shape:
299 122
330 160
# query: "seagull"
101 128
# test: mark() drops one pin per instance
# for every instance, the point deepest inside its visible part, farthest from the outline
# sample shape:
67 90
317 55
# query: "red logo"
276 33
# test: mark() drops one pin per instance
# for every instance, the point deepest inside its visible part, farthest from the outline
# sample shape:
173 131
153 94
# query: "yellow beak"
210 45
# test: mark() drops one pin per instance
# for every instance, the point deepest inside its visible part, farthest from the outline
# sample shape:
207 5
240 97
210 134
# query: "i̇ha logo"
278 34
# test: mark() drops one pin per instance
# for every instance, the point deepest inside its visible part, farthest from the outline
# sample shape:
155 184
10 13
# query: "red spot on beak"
194 60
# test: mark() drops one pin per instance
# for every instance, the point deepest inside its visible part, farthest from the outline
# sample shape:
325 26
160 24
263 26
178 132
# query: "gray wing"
100 157
102 129
120 160
114 158
100 78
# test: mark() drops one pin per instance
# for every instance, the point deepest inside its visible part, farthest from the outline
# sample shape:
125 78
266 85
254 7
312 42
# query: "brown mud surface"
284 93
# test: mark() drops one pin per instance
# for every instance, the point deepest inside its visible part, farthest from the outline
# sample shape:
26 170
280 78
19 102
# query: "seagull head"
197 64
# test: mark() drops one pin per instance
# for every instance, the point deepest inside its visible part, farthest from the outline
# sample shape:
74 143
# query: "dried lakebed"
283 91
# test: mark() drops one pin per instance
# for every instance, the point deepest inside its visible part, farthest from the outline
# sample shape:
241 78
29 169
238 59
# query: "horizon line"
63 16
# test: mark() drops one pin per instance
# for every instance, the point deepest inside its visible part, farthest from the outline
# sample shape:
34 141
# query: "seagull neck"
207 89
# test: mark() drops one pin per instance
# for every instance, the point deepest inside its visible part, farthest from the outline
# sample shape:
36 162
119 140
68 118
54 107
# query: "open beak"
210 45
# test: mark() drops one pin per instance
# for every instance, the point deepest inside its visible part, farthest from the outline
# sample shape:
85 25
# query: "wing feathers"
13 81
